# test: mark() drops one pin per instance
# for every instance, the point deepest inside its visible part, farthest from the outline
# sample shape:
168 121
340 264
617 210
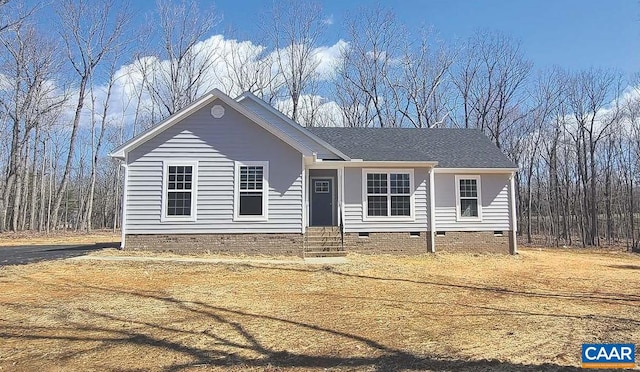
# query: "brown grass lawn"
434 312
58 238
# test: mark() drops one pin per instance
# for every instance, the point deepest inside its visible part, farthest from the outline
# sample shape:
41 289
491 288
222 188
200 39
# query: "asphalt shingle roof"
450 147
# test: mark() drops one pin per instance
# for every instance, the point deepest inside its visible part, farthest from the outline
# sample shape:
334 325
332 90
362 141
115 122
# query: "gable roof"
198 104
284 118
450 147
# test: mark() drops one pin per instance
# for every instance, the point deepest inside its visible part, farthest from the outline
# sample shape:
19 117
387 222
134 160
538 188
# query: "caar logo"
608 356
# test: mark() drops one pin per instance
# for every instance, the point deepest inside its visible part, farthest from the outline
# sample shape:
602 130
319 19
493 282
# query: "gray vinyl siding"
294 133
215 144
495 204
353 208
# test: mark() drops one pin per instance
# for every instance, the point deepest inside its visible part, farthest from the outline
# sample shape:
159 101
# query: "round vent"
217 111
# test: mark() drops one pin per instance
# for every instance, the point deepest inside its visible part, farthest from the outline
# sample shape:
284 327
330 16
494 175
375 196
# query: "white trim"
389 218
358 163
123 220
292 123
195 106
304 197
514 222
341 197
265 191
432 209
475 170
194 190
333 196
478 180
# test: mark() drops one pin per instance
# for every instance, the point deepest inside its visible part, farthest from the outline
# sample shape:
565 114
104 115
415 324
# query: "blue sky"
574 34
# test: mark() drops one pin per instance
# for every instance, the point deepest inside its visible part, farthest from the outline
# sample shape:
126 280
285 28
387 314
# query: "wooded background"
74 89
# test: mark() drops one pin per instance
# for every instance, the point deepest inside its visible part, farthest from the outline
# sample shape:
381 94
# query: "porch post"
123 219
432 211
513 239
305 207
340 187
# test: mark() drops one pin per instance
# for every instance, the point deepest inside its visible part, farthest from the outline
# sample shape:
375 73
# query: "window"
321 187
388 194
468 197
251 191
179 191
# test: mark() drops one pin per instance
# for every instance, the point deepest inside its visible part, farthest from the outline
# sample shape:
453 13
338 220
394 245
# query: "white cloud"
314 110
329 58
328 21
129 100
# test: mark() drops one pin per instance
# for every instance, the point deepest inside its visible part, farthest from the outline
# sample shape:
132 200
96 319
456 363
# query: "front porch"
324 234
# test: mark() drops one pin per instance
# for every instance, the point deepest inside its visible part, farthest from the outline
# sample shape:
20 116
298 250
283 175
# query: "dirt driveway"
433 312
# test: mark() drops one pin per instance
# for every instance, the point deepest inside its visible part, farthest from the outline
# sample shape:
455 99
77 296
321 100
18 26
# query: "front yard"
433 312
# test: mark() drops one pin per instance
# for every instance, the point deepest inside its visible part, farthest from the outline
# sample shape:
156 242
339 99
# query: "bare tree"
588 94
247 67
369 73
12 16
295 29
180 70
490 82
422 96
90 32
97 139
29 65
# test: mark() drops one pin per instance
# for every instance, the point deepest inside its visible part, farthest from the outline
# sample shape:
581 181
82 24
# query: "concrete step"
323 240
333 248
325 254
323 233
323 230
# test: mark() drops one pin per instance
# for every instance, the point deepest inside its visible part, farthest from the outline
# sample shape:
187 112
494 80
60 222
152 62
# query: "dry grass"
58 238
436 312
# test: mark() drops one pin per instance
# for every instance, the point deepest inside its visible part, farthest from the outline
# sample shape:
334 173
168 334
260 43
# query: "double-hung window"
179 191
388 194
469 205
251 191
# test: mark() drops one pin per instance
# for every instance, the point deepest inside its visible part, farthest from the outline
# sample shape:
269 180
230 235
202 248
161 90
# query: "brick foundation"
401 243
249 244
474 241
387 243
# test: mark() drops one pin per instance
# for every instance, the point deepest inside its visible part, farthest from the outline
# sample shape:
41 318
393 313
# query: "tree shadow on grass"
627 267
601 297
491 311
229 349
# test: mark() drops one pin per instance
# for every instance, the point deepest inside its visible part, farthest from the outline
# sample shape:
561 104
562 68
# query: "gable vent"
217 111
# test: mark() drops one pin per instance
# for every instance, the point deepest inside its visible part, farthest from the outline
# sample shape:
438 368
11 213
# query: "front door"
321 201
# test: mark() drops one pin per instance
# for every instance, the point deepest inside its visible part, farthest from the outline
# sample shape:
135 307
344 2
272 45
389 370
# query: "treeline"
69 96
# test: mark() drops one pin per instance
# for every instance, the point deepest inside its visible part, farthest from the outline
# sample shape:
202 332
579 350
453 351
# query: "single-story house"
237 176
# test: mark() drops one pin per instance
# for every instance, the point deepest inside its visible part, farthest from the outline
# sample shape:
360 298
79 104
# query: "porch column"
340 172
305 206
513 239
432 211
123 219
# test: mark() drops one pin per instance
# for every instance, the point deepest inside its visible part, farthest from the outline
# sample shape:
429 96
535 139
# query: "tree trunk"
72 145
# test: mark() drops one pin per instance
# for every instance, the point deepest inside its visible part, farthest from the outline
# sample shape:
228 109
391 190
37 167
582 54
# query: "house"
237 176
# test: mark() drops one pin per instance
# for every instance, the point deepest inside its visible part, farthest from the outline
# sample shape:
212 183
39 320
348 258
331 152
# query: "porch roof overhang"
314 162
476 170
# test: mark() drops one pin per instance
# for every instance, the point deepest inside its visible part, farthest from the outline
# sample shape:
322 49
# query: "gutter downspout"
341 205
513 238
305 207
432 210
